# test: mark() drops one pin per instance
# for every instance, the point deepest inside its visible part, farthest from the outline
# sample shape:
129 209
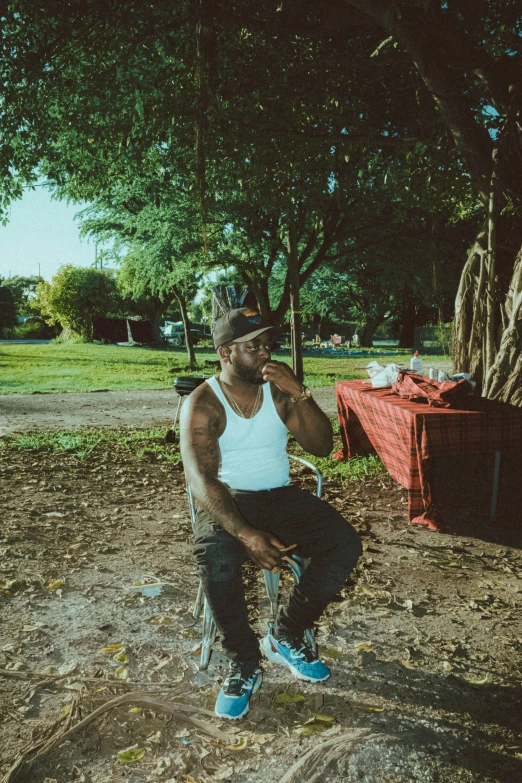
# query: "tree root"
312 767
55 678
63 732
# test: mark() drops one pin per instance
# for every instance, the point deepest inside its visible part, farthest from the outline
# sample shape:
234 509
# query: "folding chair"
209 629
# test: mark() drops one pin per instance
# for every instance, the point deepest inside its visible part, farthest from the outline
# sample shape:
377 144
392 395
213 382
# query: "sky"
41 236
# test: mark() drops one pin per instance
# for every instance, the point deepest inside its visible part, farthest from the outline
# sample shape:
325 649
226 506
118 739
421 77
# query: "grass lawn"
70 367
137 445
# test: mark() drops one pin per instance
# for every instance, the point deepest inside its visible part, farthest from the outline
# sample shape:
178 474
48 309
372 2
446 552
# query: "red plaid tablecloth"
406 434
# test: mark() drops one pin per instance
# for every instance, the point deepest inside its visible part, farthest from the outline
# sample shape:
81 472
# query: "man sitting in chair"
234 431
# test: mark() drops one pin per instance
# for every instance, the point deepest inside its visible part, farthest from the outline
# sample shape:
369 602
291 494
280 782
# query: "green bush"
31 330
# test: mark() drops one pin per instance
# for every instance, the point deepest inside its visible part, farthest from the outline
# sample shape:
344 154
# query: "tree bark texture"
295 307
370 327
504 379
187 325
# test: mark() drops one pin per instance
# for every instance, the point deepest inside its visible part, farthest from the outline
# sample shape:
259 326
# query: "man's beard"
248 374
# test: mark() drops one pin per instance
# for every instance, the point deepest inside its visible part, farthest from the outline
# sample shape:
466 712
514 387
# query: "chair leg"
298 570
198 605
209 633
272 588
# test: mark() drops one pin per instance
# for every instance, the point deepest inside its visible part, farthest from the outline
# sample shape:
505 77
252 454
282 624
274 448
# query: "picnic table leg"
494 495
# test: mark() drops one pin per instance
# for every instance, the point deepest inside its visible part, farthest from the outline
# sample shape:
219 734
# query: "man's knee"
346 547
218 560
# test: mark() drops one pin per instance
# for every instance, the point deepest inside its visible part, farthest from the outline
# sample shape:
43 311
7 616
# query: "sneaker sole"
276 657
247 708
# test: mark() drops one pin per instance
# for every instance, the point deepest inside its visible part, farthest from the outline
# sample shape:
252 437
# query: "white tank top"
253 451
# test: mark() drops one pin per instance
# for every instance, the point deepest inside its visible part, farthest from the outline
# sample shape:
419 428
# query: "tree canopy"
76 297
278 118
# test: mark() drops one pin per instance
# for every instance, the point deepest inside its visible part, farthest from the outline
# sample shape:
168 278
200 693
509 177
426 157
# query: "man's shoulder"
202 399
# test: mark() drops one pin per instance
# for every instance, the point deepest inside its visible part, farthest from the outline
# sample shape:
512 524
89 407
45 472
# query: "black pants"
296 517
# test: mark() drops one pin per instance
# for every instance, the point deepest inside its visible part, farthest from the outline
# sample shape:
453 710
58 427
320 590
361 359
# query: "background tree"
157 228
23 290
279 95
7 308
76 297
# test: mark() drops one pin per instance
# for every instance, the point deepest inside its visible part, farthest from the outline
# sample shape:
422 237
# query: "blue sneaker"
233 701
297 655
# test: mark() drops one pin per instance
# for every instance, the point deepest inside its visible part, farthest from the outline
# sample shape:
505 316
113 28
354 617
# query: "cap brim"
251 335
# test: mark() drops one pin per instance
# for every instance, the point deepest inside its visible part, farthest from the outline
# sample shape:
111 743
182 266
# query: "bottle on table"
416 362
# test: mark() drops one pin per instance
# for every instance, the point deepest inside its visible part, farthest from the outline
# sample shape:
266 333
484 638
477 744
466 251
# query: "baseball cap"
239 326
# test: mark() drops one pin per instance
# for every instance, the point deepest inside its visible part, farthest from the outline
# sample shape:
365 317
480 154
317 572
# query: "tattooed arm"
199 433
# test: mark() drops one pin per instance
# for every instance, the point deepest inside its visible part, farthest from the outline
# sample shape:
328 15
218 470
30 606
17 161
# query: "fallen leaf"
121 657
407 664
446 665
331 652
134 754
122 673
65 710
371 709
159 619
315 723
475 680
323 718
241 744
363 647
112 649
289 698
136 709
55 584
261 739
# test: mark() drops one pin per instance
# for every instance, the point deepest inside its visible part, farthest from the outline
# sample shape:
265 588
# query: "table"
406 435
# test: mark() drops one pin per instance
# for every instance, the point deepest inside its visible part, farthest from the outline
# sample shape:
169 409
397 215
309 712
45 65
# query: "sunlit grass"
77 367
132 445
136 445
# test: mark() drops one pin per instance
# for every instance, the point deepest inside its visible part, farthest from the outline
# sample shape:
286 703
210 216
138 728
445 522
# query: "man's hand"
263 548
282 376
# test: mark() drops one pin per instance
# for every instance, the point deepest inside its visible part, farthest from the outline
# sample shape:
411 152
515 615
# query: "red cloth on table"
406 435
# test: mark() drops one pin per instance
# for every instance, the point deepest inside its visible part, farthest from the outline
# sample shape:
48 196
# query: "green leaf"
331 652
289 698
319 722
134 754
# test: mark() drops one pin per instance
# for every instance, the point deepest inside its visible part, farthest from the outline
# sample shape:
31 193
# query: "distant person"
234 433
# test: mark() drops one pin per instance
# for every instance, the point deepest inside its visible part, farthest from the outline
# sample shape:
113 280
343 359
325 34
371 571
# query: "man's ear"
224 353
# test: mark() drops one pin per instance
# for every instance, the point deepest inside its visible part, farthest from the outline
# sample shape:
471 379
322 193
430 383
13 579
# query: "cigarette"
288 548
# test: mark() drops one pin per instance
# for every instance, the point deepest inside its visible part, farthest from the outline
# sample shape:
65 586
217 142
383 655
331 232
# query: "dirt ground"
424 642
144 408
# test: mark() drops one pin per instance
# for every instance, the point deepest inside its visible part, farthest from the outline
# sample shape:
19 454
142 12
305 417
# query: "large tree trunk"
295 308
187 325
369 330
408 320
504 379
156 317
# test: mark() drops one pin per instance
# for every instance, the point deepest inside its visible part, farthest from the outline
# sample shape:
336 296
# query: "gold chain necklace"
236 407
